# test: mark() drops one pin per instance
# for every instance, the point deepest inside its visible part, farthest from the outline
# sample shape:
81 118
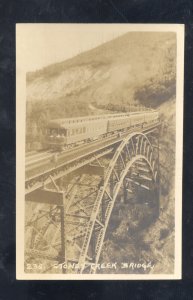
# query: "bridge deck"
44 164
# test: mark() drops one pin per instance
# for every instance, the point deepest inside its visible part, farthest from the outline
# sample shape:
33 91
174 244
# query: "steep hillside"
134 68
119 70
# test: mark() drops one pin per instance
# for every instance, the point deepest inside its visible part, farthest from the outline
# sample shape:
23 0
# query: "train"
69 132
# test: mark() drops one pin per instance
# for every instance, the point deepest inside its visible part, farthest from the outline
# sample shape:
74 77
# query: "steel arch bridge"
72 230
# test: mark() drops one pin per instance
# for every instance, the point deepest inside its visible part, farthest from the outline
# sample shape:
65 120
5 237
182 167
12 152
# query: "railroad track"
36 157
42 162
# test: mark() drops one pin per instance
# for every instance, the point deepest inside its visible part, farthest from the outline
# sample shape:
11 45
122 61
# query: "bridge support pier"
63 236
53 198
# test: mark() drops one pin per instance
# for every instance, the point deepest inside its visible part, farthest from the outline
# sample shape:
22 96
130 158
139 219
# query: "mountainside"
136 67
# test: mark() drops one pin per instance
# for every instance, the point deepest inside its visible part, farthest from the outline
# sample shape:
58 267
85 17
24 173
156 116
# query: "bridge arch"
135 151
88 204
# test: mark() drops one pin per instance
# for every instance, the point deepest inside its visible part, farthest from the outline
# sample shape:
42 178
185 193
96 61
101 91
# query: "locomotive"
66 133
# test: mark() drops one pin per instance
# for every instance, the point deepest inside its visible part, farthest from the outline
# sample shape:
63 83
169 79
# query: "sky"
39 45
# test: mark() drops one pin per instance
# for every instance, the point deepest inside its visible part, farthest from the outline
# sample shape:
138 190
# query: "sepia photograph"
99 151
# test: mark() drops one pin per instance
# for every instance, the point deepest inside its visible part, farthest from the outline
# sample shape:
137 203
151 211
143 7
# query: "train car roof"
55 124
85 119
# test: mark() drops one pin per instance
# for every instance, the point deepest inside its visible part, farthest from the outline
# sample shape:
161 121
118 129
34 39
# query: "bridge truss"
68 218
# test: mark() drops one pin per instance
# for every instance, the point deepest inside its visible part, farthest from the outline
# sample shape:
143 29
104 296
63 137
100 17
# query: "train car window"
53 131
62 131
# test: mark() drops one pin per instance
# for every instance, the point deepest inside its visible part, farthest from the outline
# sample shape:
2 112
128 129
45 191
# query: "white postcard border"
20 156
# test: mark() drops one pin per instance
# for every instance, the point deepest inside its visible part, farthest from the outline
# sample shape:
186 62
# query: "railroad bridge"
70 198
